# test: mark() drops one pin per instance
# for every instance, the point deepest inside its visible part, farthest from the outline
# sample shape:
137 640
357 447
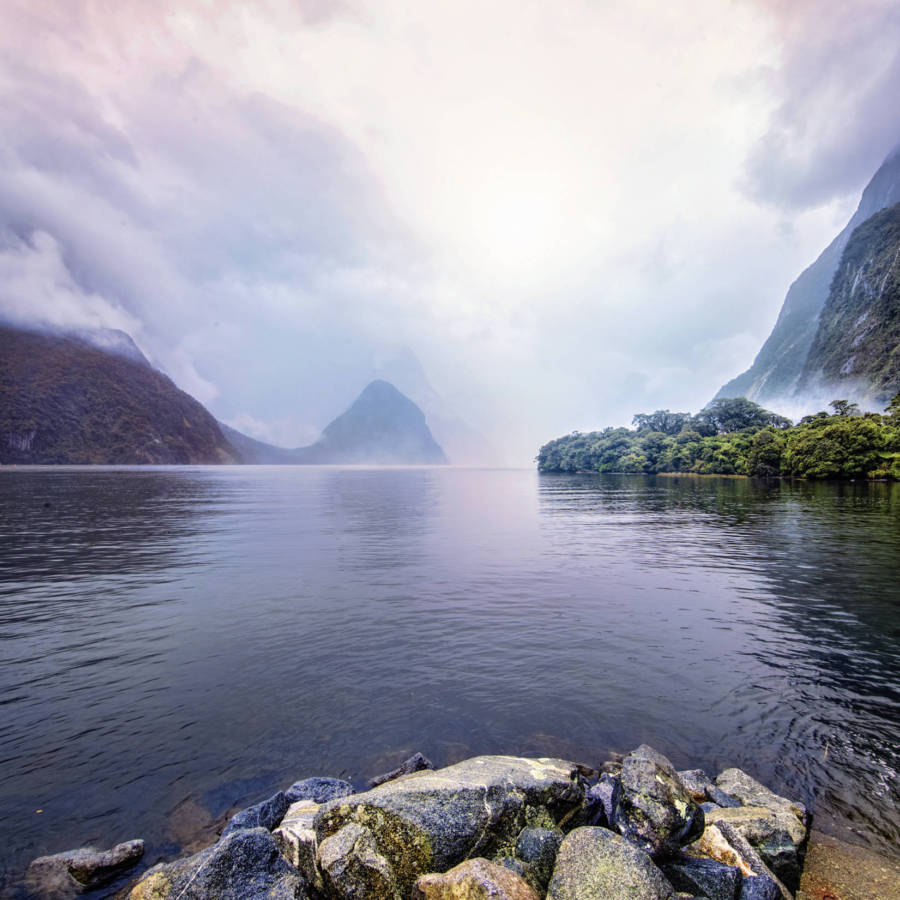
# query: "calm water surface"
174 642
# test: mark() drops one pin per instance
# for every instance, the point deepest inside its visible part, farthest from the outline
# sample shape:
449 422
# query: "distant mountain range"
92 397
796 365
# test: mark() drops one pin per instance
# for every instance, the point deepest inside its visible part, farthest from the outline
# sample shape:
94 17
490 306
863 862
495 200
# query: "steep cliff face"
856 349
775 374
65 400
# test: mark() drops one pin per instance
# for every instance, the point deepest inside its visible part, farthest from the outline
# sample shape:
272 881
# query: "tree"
728 414
844 408
662 421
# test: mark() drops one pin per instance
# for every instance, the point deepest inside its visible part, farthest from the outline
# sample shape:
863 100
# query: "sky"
567 212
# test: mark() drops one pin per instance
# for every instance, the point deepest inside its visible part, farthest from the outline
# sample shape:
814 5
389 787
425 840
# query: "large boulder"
353 868
267 814
777 835
244 865
73 872
595 864
319 790
431 820
703 789
704 877
750 792
655 810
474 879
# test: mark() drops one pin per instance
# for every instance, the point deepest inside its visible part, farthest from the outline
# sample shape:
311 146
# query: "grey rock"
602 800
538 847
267 814
352 868
777 835
416 763
295 838
596 864
750 792
705 877
759 887
474 879
722 798
432 820
697 782
709 807
76 871
319 790
656 811
760 870
244 865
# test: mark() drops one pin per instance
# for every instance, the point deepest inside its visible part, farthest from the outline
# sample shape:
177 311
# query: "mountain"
775 374
382 426
856 349
63 399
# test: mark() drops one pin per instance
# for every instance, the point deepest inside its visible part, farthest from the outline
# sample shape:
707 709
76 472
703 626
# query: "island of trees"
739 437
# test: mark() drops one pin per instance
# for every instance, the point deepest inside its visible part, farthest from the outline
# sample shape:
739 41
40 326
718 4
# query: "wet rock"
267 814
416 763
704 877
319 790
703 789
352 867
244 865
777 836
602 800
432 820
76 871
474 879
296 840
596 864
749 792
656 811
538 848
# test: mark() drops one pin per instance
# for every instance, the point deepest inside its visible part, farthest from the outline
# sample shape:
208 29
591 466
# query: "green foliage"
737 437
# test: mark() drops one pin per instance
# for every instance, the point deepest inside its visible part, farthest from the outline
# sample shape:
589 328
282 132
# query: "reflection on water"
175 642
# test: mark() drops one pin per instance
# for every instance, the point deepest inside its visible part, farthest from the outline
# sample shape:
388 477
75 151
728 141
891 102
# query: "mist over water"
203 636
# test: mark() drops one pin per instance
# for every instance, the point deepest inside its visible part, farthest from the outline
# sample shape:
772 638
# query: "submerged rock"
267 814
656 811
319 790
474 879
352 867
244 865
416 763
595 864
431 820
76 871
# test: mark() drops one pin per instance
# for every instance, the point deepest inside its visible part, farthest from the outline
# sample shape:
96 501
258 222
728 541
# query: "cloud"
568 213
834 92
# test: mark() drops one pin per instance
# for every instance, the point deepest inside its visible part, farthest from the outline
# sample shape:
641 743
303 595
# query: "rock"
749 792
431 820
759 888
702 788
602 800
244 865
474 879
319 790
708 808
777 836
596 864
296 840
416 763
76 871
704 877
833 868
538 848
723 842
353 868
267 814
656 811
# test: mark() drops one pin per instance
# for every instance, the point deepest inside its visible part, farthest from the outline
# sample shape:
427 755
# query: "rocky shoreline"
500 827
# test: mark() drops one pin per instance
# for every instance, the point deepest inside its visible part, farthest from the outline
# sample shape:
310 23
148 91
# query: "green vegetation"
739 437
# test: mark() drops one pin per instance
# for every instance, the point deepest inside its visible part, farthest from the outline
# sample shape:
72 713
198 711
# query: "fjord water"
194 638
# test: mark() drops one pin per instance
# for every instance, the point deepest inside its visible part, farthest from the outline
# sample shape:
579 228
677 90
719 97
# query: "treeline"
739 437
